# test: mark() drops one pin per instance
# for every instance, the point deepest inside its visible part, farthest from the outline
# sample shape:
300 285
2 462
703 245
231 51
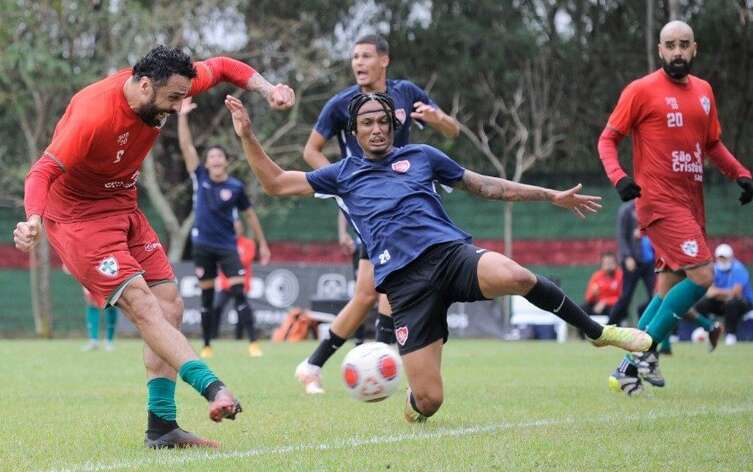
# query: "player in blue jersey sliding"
217 199
422 261
369 61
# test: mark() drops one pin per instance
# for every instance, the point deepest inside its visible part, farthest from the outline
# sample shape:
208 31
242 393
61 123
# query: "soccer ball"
371 372
699 335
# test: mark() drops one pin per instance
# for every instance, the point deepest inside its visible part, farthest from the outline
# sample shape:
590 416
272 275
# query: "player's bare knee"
173 310
429 401
141 306
365 298
522 280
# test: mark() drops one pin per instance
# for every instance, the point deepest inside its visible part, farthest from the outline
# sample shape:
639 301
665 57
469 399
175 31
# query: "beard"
677 69
153 115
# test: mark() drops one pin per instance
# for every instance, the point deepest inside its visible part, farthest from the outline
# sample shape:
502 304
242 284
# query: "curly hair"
162 62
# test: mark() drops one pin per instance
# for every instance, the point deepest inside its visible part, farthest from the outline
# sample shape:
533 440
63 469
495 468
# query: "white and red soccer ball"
371 372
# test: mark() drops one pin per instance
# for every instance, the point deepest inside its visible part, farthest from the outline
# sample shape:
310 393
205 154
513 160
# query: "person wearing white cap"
731 295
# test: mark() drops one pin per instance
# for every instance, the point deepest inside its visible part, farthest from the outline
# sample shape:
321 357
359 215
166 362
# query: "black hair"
220 147
388 105
381 44
162 62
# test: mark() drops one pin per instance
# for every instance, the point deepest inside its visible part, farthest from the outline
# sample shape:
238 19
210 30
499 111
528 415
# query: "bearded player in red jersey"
83 189
673 118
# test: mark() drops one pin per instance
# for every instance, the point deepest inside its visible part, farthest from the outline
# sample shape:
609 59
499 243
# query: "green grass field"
508 406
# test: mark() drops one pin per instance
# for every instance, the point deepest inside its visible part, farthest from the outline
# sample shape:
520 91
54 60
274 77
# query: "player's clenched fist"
26 234
282 97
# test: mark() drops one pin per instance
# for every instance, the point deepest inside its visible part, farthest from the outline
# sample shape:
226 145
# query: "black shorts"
207 259
421 292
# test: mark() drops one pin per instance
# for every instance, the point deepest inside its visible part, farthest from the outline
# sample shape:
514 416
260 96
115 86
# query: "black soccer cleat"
179 438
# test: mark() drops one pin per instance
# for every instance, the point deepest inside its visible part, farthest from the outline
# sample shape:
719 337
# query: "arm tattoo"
260 84
494 188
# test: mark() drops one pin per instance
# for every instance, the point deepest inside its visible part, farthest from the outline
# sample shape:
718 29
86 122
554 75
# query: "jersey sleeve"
324 179
243 202
74 135
420 95
715 128
328 123
220 69
628 110
445 170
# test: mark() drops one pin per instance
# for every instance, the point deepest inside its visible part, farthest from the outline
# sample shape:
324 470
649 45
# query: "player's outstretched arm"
187 149
436 118
312 151
253 221
273 179
494 188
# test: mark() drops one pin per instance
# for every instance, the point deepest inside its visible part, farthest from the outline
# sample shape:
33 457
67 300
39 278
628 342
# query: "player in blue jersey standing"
422 261
369 61
217 198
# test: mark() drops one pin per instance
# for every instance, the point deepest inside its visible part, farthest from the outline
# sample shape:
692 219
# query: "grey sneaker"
620 382
179 438
648 368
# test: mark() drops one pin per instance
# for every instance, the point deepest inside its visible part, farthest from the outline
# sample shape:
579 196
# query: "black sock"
628 368
156 426
359 337
207 312
243 309
549 297
325 349
385 329
211 391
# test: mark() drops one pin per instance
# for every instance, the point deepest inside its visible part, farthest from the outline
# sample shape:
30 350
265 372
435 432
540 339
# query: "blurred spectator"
604 287
636 257
731 294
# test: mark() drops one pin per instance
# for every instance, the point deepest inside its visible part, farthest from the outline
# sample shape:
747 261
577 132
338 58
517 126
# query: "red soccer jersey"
673 125
603 287
100 143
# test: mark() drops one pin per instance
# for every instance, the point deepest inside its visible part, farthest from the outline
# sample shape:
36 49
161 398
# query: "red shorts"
106 254
679 241
98 302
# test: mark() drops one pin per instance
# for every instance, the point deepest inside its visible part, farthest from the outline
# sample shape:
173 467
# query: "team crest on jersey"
672 103
123 139
226 194
108 266
401 334
690 247
401 167
199 271
400 115
706 104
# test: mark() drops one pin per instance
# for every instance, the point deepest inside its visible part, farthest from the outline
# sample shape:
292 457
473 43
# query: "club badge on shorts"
108 266
401 334
690 247
401 167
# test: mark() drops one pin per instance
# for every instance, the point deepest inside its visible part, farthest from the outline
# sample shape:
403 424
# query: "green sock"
649 313
161 400
111 321
704 322
678 301
92 322
665 345
196 374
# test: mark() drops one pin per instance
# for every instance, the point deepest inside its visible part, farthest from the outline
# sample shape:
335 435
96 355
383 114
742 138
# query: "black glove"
747 185
628 189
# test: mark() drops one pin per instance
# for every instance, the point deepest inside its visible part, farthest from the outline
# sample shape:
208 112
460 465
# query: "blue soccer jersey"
392 202
333 119
215 206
